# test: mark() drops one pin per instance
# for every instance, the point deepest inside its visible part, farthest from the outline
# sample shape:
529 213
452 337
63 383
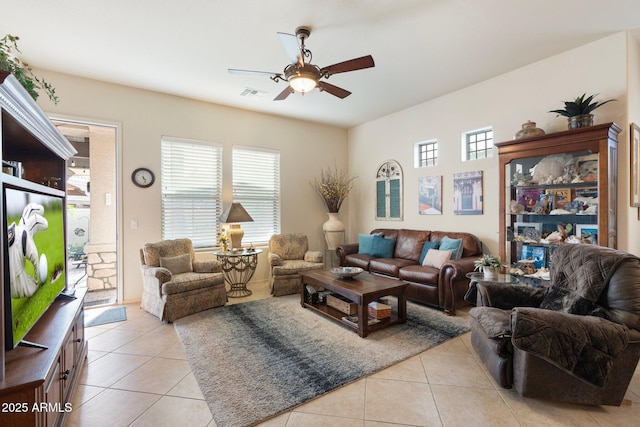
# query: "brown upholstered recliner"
577 341
175 283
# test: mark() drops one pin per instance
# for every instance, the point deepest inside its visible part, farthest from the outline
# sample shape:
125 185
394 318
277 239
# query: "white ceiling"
422 48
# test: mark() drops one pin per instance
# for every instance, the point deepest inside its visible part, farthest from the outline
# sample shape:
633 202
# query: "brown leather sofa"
577 341
427 285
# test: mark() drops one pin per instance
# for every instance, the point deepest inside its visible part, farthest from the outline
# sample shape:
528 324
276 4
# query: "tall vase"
333 231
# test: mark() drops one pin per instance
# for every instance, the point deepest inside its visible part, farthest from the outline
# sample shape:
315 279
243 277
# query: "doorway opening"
91 215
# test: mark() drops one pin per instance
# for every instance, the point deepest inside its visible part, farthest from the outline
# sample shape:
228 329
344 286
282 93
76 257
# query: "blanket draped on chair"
585 347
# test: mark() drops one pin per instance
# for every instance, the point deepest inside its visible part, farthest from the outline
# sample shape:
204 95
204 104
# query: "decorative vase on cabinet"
528 130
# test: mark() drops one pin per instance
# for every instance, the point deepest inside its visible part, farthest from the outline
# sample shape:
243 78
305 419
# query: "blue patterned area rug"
257 359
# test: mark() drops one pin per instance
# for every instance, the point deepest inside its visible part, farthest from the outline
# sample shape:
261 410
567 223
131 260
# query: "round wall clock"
143 177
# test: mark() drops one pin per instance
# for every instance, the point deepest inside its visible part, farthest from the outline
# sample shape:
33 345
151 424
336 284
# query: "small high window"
478 144
426 154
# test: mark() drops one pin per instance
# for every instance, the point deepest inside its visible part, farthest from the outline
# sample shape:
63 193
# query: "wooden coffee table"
362 289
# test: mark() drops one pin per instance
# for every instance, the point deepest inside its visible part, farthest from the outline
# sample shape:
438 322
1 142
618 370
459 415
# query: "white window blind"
256 185
191 190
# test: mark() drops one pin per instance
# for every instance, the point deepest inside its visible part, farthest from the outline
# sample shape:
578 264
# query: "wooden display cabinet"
531 209
36 384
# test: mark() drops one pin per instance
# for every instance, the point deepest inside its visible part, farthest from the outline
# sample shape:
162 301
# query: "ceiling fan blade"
351 65
334 90
283 95
261 73
290 44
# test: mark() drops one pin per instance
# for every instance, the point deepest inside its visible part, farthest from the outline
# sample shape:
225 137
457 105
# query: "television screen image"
35 265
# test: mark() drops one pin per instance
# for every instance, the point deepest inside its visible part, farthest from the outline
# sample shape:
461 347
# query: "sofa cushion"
167 248
495 322
420 274
428 245
389 266
289 246
409 244
177 264
365 243
388 233
313 256
295 266
382 248
190 281
453 245
435 258
357 260
471 245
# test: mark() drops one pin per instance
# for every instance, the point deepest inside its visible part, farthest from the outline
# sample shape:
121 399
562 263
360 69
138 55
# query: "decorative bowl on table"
346 272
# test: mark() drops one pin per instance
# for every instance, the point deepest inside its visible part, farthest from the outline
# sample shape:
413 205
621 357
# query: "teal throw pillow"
428 245
365 243
383 248
453 245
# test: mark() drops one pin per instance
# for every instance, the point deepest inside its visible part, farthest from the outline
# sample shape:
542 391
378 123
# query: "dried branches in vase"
333 187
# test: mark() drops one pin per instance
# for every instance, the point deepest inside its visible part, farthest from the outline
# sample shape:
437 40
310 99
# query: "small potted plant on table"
489 265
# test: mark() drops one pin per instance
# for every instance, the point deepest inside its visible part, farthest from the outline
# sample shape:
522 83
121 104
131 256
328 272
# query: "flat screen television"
34 264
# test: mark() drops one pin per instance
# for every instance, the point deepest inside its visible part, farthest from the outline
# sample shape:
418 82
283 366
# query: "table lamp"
233 215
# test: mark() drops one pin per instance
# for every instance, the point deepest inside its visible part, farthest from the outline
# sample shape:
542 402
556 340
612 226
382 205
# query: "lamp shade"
234 213
302 83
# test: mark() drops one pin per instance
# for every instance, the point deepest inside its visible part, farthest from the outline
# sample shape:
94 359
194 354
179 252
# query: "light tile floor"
137 375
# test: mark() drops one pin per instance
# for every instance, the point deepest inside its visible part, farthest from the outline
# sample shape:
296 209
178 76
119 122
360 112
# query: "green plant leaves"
580 106
10 62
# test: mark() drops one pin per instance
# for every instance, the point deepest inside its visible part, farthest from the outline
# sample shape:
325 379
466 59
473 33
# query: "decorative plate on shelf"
346 272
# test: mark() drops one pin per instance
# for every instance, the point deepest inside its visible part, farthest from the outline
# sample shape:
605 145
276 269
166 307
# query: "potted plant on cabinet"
10 62
578 111
489 265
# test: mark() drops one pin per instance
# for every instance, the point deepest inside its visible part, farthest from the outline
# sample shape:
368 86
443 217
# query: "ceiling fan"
303 76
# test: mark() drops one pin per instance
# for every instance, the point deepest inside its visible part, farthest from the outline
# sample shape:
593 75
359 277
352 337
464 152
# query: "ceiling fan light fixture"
302 78
303 83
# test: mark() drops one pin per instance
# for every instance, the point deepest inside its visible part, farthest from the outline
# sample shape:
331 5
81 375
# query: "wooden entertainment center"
36 384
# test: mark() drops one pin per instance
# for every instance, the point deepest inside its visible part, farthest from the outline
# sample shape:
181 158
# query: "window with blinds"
191 175
256 185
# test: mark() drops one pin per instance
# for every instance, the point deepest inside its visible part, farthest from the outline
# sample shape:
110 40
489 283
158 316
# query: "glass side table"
476 277
238 268
507 279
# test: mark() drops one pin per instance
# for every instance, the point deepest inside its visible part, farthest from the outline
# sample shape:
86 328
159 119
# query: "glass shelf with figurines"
555 190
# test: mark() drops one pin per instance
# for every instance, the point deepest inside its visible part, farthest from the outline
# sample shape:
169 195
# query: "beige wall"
610 67
633 81
504 102
144 117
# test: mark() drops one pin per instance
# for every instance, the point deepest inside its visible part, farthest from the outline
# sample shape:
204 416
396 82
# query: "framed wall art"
634 172
529 197
537 254
430 195
588 233
467 193
561 197
528 230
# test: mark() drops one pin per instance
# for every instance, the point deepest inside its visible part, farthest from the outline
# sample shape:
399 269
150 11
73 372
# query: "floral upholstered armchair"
289 255
175 284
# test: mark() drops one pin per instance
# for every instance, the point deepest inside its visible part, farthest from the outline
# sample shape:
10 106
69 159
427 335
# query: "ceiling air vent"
252 93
